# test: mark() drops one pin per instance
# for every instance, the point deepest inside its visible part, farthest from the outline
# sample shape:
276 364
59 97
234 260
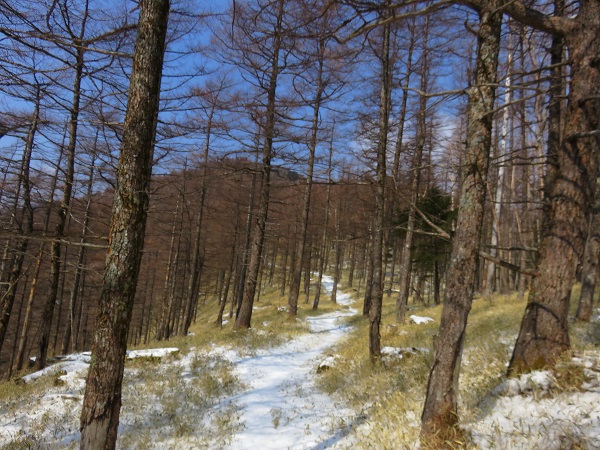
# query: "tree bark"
102 400
544 333
589 271
440 415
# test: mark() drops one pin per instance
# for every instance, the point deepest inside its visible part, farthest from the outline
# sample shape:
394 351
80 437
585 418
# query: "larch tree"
70 332
499 196
275 37
317 55
440 415
544 333
324 72
78 52
102 399
377 249
405 268
209 99
22 222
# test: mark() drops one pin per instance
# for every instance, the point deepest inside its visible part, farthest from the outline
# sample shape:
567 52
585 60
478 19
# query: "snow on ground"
400 352
530 412
282 408
419 320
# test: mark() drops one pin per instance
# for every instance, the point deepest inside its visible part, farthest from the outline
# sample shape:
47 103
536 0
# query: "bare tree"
102 400
22 221
544 334
415 182
377 249
440 415
244 316
70 332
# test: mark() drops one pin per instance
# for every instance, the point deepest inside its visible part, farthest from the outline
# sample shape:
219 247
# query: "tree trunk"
194 280
241 280
352 266
38 263
544 333
163 331
405 268
312 148
244 317
102 400
378 237
367 275
13 354
219 320
60 297
78 268
403 107
284 269
440 415
436 283
307 270
490 284
63 215
589 271
324 235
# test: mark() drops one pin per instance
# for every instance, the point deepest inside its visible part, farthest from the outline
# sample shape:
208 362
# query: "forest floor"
316 388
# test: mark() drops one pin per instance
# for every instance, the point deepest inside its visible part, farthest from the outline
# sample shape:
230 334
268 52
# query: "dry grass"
389 395
169 403
271 325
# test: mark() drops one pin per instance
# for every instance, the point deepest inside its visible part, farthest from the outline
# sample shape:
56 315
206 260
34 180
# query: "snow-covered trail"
282 409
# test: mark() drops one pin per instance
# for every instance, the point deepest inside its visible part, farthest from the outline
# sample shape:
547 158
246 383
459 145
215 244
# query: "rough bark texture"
544 333
102 400
440 413
589 271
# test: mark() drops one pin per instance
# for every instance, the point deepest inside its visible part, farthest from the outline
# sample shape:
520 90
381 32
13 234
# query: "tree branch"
528 16
506 264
